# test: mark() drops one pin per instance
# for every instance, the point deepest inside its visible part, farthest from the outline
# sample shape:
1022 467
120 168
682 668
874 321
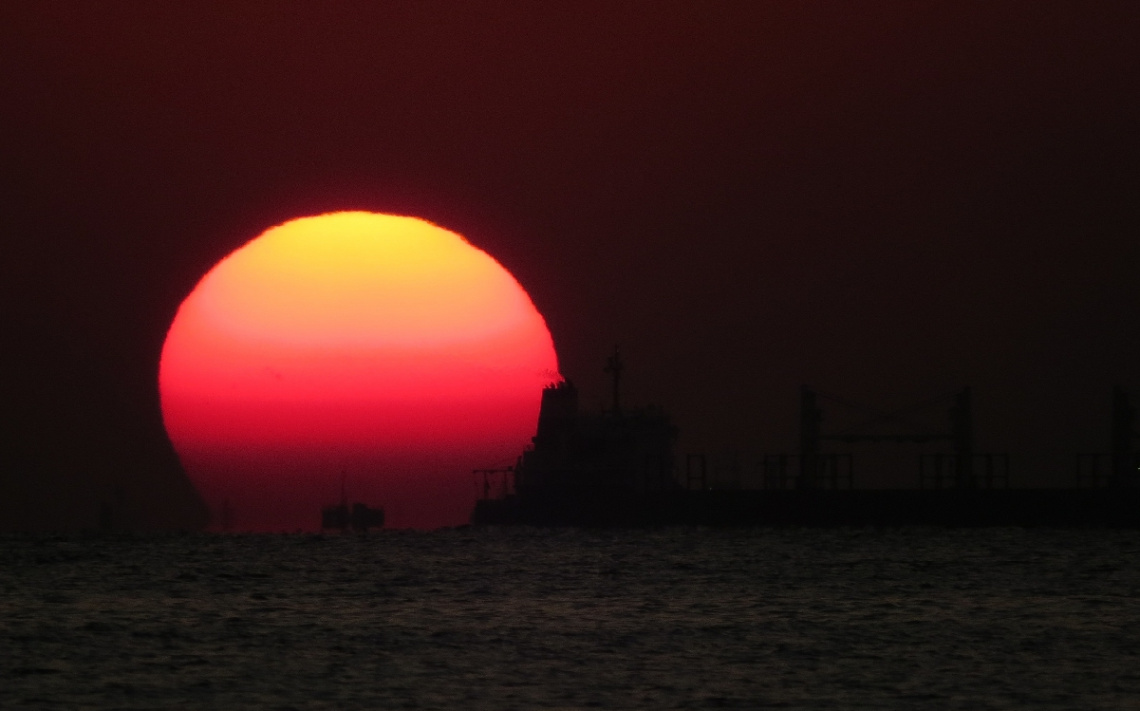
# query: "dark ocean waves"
526 618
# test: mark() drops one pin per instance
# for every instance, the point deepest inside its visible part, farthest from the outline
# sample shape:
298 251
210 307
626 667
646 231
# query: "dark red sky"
883 200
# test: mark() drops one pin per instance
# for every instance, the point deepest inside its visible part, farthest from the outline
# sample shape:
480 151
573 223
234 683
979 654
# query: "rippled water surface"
525 618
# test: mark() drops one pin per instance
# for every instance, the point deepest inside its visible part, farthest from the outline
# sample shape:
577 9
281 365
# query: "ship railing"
949 470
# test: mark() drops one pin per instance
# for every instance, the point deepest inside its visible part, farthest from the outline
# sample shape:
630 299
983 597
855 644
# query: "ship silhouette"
357 517
617 467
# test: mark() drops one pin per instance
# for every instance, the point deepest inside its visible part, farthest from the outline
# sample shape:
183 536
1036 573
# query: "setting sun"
381 350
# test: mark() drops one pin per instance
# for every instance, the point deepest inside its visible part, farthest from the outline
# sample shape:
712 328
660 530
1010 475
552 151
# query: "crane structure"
961 467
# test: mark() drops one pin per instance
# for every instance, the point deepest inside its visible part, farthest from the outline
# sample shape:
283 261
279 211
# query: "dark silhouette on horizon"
616 468
959 468
358 517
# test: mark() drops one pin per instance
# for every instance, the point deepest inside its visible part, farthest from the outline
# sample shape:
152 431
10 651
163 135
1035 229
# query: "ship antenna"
614 366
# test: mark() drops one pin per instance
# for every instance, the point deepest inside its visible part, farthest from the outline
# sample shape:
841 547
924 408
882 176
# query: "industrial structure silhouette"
618 467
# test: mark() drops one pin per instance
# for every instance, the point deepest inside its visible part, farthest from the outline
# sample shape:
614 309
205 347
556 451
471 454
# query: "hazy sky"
884 200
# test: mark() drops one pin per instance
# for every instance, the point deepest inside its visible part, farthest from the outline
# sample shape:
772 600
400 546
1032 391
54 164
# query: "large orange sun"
379 351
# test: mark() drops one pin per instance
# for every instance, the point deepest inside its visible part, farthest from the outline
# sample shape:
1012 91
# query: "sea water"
536 619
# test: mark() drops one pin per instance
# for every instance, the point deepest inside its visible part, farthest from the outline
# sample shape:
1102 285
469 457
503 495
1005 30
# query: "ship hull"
989 507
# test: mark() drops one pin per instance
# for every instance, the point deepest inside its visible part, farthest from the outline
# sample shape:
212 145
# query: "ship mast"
614 366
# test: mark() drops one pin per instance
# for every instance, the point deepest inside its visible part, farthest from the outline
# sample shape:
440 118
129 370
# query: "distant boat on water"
359 517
